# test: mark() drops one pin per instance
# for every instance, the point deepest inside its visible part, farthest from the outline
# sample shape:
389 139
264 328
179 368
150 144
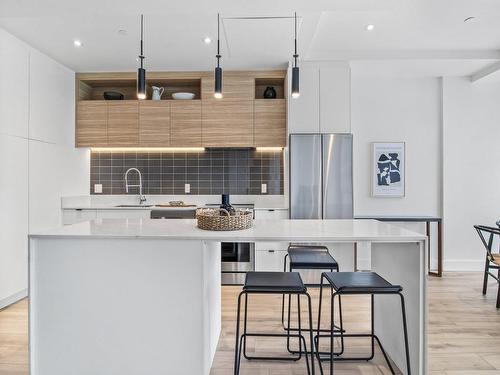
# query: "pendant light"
295 68
141 72
218 69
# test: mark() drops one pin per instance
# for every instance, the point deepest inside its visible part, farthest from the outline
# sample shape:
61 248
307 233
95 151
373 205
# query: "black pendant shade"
295 69
295 82
218 69
218 82
141 83
141 72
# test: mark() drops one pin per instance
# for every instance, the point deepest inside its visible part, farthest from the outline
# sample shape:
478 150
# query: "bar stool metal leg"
240 344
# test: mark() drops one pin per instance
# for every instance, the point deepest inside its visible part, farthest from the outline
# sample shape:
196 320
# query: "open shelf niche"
262 83
94 89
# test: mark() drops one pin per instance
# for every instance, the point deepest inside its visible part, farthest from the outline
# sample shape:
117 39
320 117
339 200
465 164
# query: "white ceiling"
422 35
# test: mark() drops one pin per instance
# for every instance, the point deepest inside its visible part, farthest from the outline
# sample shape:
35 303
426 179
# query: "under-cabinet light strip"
269 148
147 149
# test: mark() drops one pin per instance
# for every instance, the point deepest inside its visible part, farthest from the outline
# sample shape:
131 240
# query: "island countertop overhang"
263 230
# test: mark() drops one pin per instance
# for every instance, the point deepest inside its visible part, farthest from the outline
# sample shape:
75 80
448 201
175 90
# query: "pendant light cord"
218 56
295 56
141 56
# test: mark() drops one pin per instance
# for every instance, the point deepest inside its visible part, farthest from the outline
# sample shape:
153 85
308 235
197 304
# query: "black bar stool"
273 283
358 283
309 257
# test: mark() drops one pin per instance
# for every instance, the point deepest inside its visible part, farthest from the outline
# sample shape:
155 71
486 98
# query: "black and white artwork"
388 169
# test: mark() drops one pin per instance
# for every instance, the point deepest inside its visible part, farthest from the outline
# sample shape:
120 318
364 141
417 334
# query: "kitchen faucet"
142 198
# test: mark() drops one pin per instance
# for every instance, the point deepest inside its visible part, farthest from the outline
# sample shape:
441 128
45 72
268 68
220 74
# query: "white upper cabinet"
335 98
324 105
52 101
303 112
14 86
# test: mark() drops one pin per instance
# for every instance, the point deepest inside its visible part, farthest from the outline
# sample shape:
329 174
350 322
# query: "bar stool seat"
274 282
360 282
316 258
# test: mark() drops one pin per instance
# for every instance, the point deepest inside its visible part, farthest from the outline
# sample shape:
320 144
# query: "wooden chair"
487 236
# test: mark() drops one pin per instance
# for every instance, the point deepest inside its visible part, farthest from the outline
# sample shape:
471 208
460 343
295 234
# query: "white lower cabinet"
269 256
269 260
123 214
77 216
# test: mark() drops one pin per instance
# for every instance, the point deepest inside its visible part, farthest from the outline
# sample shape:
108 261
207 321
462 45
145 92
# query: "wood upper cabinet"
270 122
227 123
92 124
154 123
242 118
235 85
123 123
186 123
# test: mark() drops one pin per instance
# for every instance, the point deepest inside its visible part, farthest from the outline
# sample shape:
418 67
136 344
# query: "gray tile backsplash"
213 171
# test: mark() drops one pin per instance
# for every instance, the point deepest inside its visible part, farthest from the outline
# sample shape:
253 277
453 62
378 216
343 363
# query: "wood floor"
464 332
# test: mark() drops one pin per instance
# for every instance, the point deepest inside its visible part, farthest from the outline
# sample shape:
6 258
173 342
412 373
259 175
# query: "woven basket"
219 219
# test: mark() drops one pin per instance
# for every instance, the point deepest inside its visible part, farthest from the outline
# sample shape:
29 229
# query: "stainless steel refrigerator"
321 176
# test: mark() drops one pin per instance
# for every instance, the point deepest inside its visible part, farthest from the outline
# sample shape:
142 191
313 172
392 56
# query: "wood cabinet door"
227 123
91 123
186 123
235 85
123 123
154 123
270 122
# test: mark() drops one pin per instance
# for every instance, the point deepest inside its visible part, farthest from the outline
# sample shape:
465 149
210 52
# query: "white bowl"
182 95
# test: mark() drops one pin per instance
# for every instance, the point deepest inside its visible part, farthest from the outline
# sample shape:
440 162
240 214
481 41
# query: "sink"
135 205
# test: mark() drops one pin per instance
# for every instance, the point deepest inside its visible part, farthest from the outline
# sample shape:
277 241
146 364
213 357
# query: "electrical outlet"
187 188
98 188
263 189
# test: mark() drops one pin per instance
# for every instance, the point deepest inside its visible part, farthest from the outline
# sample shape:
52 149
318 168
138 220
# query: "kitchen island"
141 296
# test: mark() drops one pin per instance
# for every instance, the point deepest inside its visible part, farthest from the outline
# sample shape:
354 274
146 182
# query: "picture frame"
388 169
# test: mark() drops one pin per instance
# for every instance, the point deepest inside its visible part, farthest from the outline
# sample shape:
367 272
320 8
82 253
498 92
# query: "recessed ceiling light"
77 43
370 27
207 40
122 32
470 19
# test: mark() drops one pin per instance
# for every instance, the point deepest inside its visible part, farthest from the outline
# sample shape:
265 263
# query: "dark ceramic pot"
269 93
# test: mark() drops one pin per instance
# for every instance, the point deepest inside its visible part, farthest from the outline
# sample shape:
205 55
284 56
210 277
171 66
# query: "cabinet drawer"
272 245
269 260
271 214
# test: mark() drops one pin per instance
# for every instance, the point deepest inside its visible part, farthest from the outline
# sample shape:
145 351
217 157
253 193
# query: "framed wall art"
388 169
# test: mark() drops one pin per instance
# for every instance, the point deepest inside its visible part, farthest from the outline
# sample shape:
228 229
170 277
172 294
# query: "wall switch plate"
187 188
263 189
98 188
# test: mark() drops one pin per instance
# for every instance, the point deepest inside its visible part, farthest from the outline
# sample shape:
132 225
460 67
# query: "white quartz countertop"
263 230
110 202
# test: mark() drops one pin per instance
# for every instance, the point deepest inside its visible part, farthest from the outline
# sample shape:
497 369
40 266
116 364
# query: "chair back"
489 236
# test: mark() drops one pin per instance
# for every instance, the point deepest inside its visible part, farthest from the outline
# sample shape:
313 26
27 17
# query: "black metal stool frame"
240 345
332 356
288 328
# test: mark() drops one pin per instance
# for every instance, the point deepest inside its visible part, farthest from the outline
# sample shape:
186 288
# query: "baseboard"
463 265
13 298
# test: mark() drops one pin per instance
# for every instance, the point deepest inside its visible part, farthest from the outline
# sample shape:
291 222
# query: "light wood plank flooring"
464 332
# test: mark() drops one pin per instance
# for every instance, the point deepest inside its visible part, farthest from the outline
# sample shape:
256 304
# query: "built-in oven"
238 258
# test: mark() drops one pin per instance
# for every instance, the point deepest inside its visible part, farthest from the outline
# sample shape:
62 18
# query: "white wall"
394 109
39 161
471 155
